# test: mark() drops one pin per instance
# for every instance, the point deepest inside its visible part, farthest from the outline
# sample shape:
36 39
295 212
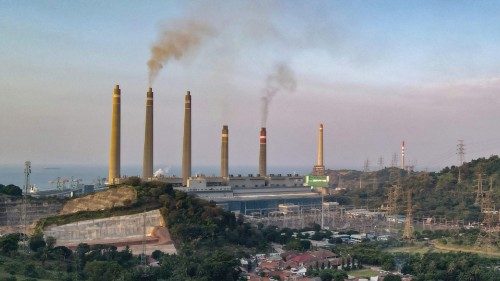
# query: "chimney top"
117 87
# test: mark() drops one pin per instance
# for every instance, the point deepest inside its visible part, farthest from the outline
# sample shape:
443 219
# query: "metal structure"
24 215
408 228
380 163
461 158
479 190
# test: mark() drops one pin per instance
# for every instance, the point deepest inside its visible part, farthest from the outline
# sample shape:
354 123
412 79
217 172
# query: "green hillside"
435 194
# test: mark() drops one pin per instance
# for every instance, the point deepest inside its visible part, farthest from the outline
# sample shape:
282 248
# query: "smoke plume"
281 79
174 42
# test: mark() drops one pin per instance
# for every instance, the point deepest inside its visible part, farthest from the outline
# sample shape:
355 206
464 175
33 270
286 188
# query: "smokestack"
186 142
262 153
224 154
147 164
319 168
403 155
114 149
319 161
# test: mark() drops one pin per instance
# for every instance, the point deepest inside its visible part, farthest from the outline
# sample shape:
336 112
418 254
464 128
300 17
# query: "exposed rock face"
113 197
129 230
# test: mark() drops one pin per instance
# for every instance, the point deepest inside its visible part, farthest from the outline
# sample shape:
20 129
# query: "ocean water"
43 175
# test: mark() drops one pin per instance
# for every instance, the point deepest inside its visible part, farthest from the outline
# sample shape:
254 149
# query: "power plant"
147 165
114 148
233 192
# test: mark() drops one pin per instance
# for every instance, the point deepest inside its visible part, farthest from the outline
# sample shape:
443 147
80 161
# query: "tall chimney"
224 153
114 149
186 142
262 153
319 168
403 155
147 164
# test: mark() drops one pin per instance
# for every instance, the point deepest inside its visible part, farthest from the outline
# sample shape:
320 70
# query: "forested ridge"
435 194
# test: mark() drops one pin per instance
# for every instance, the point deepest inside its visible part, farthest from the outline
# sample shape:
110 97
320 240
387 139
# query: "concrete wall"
11 210
114 228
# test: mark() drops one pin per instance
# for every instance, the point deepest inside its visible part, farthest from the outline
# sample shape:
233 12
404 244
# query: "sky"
374 72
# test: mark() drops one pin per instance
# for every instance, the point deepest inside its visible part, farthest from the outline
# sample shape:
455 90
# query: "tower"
461 158
262 152
114 149
186 141
319 168
403 155
224 153
408 229
479 190
147 164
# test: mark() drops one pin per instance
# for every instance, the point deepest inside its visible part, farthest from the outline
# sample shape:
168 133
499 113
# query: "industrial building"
233 192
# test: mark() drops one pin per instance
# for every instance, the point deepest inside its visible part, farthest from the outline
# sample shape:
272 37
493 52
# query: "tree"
102 270
11 190
9 243
37 242
326 275
392 277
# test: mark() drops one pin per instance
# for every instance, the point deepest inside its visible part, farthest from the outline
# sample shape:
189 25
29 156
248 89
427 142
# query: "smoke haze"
281 79
174 42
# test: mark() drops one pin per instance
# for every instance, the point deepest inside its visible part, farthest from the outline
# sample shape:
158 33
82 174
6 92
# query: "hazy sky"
374 72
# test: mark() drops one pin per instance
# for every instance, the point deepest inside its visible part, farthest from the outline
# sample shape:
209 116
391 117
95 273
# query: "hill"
435 194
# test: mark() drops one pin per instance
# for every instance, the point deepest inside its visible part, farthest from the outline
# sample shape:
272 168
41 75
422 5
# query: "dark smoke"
281 79
174 42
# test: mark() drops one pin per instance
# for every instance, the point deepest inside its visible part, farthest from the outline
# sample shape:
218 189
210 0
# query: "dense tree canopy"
11 190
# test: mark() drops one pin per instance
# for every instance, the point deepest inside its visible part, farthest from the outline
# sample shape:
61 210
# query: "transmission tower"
366 166
479 190
143 256
487 206
461 158
392 199
394 161
380 163
24 215
488 239
408 229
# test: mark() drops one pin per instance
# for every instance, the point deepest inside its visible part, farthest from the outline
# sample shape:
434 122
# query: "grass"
365 272
467 249
442 248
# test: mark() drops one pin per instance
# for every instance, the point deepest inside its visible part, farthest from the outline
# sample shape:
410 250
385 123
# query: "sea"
44 177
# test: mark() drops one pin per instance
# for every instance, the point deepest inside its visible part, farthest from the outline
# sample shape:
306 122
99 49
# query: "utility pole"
461 158
24 215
